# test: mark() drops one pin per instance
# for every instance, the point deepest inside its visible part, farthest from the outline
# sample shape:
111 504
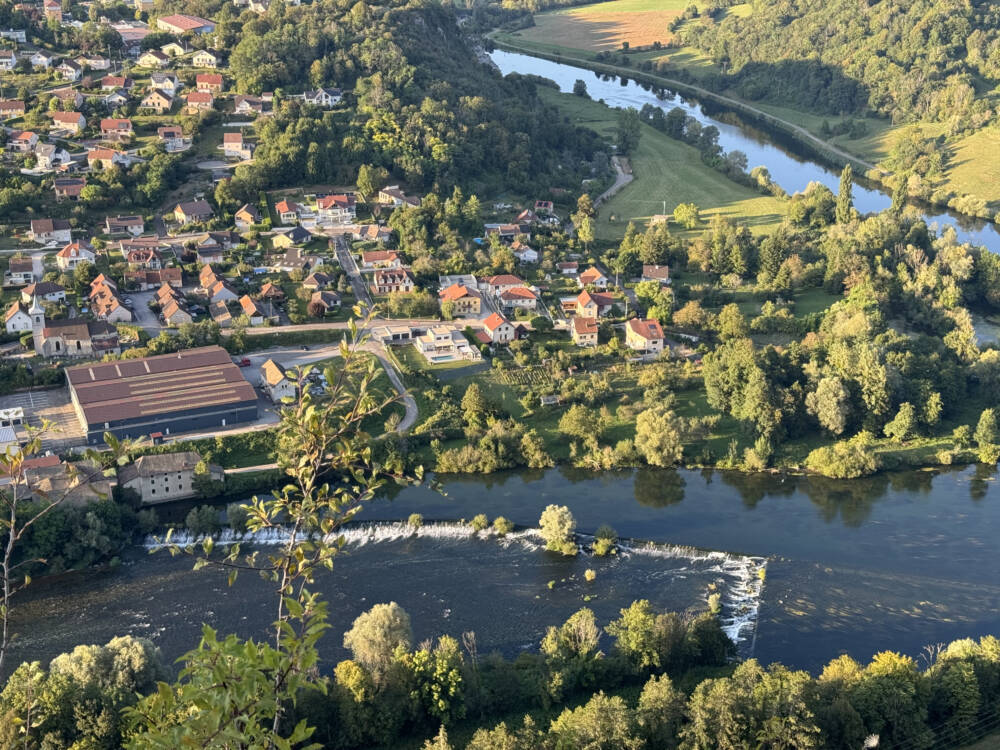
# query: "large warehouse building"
195 389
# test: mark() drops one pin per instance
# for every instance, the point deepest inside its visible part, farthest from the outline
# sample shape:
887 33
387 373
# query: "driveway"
143 315
350 266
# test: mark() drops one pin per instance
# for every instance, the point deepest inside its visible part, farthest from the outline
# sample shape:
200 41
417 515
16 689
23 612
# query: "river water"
897 561
788 169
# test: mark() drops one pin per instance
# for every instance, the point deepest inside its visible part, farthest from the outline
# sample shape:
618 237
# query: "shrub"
202 520
604 541
589 574
415 521
479 522
502 526
557 525
237 516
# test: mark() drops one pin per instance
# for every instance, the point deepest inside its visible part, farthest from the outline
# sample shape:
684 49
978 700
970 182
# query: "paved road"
350 266
296 357
143 315
622 178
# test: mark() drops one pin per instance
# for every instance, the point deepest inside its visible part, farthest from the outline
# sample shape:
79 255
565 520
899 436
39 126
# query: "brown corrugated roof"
130 389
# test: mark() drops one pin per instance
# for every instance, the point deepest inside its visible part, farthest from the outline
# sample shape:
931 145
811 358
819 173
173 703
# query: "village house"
107 306
221 291
11 108
113 83
524 253
386 282
46 290
133 225
20 271
593 304
199 101
245 104
568 268
173 49
380 259
290 237
144 279
508 232
246 216
41 58
118 129
544 207
45 231
14 35
168 83
393 196
68 97
52 10
496 285
288 211
584 331
252 310
17 319
518 298
659 274
73 254
370 233
190 212
271 292
157 101
144 257
163 477
644 335
274 381
339 209
209 82
439 344
329 301
499 329
465 301
8 60
172 137
68 188
69 122
51 156
219 312
181 24
153 58
592 277
175 313
105 158
317 280
325 98
93 62
209 250
234 147
70 70
205 59
115 99
22 142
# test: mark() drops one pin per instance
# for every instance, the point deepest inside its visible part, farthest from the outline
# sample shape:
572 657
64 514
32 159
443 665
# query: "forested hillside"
910 60
425 109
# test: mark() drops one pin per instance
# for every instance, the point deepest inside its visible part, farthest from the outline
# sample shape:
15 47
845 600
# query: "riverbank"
791 134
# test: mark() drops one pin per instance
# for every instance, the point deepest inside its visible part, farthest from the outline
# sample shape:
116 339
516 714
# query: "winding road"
622 178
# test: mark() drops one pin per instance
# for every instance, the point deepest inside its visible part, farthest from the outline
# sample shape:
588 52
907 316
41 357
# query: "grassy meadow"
668 171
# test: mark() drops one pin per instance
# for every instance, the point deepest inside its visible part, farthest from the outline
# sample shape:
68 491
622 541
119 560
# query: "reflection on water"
787 169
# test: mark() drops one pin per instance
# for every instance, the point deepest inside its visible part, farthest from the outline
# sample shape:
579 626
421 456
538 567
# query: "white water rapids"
740 579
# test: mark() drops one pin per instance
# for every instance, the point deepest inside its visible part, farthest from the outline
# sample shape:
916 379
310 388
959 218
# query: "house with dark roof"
163 477
190 212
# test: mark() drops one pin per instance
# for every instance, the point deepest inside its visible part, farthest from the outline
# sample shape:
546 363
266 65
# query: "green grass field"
668 171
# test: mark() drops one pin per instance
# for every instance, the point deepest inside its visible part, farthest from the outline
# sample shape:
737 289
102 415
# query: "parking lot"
51 406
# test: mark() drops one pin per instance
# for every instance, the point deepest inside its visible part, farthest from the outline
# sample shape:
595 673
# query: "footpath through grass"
667 171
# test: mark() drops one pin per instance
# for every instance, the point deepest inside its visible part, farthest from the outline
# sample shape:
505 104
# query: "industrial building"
191 390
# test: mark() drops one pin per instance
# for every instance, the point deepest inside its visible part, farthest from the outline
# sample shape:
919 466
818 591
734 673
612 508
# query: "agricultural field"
667 171
606 26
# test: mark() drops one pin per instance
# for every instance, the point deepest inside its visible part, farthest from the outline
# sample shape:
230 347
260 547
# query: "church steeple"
37 313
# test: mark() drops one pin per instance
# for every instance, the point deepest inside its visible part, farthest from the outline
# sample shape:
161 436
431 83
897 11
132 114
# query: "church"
72 337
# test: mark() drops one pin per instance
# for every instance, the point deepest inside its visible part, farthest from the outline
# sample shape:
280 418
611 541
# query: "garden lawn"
667 171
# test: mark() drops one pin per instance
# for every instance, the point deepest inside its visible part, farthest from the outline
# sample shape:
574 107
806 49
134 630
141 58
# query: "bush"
589 574
605 541
479 522
147 521
237 517
415 521
203 520
557 525
502 526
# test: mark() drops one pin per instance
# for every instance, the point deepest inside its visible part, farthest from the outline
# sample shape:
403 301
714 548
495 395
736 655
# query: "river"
897 561
788 169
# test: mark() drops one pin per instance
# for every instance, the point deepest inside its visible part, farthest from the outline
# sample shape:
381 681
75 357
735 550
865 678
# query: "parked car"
245 362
